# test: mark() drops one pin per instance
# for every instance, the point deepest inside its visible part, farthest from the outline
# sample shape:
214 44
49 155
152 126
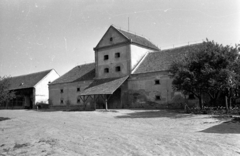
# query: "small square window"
78 100
117 55
157 98
118 68
61 90
78 89
106 70
157 82
111 39
105 57
61 101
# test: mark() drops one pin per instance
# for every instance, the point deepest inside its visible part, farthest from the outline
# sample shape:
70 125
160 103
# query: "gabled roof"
132 38
104 86
161 60
78 73
27 81
139 40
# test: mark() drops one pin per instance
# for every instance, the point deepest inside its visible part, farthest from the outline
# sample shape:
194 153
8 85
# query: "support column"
106 104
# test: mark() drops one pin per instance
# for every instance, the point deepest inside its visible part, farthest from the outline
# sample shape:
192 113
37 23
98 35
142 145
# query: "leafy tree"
209 68
5 94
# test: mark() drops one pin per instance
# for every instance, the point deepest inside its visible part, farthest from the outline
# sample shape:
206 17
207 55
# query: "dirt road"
119 132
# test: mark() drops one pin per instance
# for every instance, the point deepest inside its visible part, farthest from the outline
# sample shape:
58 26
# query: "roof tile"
104 86
161 60
138 39
78 73
27 81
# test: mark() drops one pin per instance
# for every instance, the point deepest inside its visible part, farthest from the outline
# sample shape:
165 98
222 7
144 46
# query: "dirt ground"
118 132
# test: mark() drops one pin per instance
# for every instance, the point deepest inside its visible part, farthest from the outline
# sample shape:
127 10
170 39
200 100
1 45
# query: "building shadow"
3 118
228 127
155 114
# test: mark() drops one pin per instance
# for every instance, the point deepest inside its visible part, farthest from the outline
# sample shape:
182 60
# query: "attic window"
111 39
78 89
105 57
117 55
106 70
118 69
157 97
157 82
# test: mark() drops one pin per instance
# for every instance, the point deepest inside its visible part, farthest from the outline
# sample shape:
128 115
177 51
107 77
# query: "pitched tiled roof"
161 61
78 73
27 81
104 86
138 39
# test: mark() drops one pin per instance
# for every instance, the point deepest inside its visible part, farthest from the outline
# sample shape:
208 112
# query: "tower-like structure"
119 52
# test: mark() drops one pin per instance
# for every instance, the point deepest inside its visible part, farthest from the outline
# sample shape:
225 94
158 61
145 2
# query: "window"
61 90
61 101
157 98
157 82
78 89
78 100
118 68
106 70
117 55
111 39
105 57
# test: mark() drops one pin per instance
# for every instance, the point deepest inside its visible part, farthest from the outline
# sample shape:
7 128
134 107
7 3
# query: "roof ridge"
182 46
85 64
32 73
127 31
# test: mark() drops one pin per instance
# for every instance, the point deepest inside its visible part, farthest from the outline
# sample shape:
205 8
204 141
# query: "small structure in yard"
129 72
31 89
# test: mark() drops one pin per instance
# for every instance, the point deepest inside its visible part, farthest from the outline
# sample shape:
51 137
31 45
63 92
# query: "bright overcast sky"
37 35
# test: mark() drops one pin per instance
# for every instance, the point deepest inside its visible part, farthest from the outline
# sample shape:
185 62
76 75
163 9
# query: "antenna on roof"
128 24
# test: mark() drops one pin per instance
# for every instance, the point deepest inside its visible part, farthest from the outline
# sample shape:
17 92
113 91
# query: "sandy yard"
119 132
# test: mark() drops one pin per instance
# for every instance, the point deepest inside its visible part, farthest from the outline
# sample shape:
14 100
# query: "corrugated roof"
161 61
78 73
27 81
104 86
138 39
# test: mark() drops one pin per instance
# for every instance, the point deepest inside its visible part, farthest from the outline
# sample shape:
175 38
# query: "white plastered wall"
41 88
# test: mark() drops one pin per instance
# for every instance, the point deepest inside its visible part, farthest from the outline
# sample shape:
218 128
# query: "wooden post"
106 106
84 107
95 101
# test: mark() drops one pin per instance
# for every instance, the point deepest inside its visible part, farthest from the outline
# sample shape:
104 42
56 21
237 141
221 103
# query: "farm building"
129 72
31 89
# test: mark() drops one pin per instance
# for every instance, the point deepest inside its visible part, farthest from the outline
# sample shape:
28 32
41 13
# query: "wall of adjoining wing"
41 88
67 93
152 90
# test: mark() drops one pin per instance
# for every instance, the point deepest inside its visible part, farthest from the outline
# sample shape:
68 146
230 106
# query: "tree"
209 68
5 94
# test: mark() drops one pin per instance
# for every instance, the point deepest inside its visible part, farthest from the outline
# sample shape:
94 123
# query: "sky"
37 35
